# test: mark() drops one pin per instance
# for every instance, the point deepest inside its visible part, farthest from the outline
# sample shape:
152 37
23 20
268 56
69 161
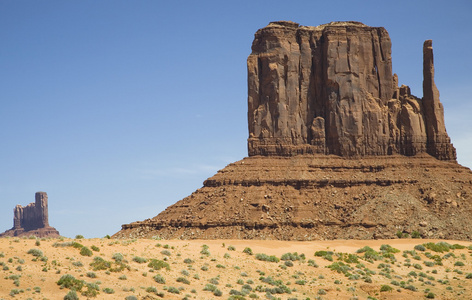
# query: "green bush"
293 256
79 237
70 282
385 288
139 260
388 249
265 257
159 279
100 264
95 248
183 280
92 290
108 290
71 295
231 248
430 295
35 252
420 248
459 264
91 275
247 250
173 290
86 251
157 264
118 257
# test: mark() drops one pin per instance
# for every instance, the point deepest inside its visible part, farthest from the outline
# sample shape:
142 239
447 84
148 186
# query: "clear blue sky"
118 109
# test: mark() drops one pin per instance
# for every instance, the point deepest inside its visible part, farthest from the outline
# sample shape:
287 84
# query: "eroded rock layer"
308 197
330 90
32 219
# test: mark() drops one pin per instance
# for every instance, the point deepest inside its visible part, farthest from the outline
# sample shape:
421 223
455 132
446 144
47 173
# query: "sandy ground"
231 271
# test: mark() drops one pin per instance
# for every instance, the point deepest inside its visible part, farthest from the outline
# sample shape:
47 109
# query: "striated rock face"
330 89
336 149
32 219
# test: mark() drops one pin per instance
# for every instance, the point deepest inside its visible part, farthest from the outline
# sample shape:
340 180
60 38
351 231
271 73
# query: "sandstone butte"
337 150
32 220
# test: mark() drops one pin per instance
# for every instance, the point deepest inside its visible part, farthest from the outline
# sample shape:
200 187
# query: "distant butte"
32 220
337 149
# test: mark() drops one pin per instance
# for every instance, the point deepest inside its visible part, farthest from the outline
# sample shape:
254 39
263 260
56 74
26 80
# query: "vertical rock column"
41 207
438 144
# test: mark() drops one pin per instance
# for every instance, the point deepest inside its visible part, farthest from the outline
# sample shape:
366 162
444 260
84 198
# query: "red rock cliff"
330 89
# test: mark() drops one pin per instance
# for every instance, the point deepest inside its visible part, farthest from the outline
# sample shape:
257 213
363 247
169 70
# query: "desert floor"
222 269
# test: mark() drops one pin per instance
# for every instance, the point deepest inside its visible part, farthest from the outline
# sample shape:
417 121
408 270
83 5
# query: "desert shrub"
217 293
388 249
70 282
92 290
204 268
417 266
312 263
231 248
86 251
288 263
247 250
100 264
131 297
159 279
321 292
220 266
35 252
226 255
71 295
166 252
108 290
420 248
91 275
151 289
173 290
79 237
122 277
210 287
411 288
188 261
429 263
459 264
95 248
265 257
293 256
139 260
77 264
430 295
185 273
415 235
438 247
157 264
386 288
118 257
468 276
205 250
183 280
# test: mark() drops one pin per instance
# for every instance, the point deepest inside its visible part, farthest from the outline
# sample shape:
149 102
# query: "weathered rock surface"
330 89
336 149
32 219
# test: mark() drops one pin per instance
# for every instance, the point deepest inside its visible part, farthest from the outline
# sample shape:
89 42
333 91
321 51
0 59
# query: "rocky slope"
308 197
336 149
